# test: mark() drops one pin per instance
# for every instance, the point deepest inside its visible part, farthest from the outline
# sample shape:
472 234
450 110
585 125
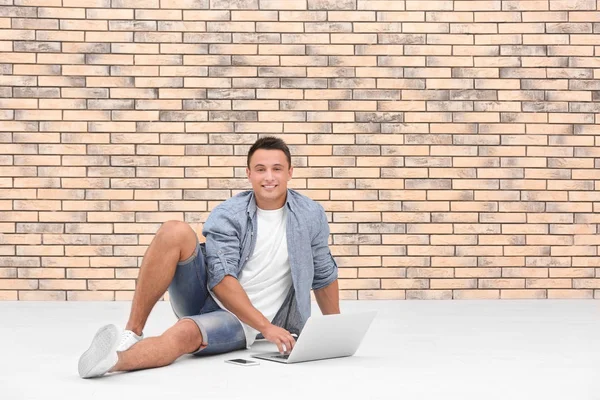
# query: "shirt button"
246 258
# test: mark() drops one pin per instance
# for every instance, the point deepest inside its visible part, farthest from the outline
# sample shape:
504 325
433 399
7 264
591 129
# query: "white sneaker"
128 339
101 356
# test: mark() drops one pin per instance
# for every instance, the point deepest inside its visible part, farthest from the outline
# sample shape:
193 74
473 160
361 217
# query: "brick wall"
454 144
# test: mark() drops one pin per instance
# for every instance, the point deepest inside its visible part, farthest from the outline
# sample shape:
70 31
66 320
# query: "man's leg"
175 241
186 337
182 338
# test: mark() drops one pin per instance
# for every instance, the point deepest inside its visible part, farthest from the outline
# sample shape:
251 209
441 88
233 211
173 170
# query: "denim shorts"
191 299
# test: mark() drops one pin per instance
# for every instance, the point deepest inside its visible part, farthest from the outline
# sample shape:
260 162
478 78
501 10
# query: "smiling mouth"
268 187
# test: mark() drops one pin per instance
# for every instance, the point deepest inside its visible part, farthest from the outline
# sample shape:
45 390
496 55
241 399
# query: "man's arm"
328 298
325 281
234 298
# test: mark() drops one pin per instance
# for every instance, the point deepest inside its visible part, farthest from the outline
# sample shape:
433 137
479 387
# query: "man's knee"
175 228
179 234
186 334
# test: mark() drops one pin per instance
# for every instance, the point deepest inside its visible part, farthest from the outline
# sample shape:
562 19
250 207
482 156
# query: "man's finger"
289 346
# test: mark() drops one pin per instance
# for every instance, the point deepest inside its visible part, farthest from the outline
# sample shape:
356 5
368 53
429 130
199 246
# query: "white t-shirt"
266 277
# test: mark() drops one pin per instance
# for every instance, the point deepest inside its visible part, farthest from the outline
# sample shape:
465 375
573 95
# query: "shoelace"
125 337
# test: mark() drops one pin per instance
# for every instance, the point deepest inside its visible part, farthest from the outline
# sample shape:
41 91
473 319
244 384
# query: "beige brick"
453 283
380 5
478 272
546 39
8 295
63 262
126 295
572 273
480 250
501 283
112 284
548 283
90 273
583 16
83 25
30 23
9 57
46 295
518 272
247 15
109 59
57 12
573 250
574 5
103 13
405 240
26 69
359 284
90 295
523 294
381 295
430 5
86 3
429 294
298 15
423 250
486 294
37 182
41 273
570 294
206 15
511 28
18 103
586 283
404 284
25 284
18 126
430 273
127 273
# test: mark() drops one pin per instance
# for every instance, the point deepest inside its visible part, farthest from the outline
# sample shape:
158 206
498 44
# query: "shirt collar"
252 207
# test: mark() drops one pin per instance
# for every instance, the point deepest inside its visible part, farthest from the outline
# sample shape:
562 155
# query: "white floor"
414 350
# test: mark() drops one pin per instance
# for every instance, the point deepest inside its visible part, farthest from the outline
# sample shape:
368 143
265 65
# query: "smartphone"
241 361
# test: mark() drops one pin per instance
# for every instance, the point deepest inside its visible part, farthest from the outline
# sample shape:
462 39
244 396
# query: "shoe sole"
101 355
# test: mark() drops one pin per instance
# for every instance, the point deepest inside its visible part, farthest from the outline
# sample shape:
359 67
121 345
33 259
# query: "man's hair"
270 143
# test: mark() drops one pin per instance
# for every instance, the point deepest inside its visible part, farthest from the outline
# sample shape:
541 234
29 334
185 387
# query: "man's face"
269 173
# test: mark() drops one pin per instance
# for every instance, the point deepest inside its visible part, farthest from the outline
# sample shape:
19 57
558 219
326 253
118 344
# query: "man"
265 250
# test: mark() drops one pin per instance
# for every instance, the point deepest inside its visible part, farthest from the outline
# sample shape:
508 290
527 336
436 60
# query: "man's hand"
283 339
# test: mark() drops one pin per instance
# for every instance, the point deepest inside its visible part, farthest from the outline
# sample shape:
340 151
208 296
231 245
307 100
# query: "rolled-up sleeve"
222 246
326 269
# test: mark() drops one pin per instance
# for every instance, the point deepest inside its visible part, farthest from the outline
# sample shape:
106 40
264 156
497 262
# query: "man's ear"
291 173
248 173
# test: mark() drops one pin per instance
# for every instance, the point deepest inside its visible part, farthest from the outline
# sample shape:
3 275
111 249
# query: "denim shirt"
231 231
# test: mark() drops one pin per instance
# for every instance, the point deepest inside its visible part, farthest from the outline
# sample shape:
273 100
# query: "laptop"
326 336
